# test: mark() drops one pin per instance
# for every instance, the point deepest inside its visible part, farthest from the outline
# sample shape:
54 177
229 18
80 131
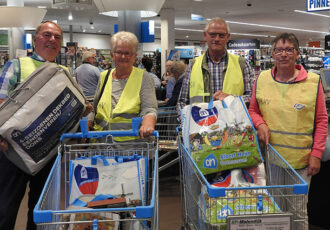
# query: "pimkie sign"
317 5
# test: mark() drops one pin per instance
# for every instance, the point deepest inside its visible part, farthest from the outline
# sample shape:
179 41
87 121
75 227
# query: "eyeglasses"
214 35
126 54
279 51
49 35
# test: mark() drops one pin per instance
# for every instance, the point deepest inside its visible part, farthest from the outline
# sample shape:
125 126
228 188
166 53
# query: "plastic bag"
220 135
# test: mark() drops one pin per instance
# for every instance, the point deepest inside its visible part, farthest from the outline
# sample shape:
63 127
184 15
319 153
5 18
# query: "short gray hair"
43 23
125 37
217 20
178 67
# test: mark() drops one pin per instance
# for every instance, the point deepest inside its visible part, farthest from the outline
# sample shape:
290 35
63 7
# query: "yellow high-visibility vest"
289 111
28 65
233 80
127 108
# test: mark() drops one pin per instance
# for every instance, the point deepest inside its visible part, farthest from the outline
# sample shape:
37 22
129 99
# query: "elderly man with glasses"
216 73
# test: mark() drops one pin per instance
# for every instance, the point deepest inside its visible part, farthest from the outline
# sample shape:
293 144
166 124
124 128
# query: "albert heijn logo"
210 162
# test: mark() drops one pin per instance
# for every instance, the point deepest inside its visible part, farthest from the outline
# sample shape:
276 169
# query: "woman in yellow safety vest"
288 109
125 91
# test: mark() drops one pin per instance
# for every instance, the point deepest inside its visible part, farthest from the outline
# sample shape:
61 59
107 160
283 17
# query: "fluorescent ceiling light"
256 35
144 14
152 27
70 17
42 7
277 27
304 12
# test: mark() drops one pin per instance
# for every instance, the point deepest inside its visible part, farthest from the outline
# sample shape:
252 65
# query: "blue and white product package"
48 103
108 176
220 135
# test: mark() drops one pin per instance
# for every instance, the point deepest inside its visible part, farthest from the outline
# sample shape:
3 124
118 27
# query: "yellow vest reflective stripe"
289 110
127 107
233 80
28 65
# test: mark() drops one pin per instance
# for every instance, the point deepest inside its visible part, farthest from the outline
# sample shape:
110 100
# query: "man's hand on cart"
219 95
89 108
314 166
147 126
3 144
263 133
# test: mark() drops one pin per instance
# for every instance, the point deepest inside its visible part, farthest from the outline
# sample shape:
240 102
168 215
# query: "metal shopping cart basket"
53 210
166 125
278 205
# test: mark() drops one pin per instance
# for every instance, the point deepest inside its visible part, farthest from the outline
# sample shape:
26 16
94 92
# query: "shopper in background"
147 63
177 70
127 92
13 182
87 74
288 109
216 73
167 75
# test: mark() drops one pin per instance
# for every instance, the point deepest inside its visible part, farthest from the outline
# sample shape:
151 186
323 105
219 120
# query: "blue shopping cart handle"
98 134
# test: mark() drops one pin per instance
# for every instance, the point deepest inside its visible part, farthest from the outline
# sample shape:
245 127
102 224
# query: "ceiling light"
193 30
42 7
304 12
99 31
92 27
84 30
55 21
144 14
277 27
254 35
70 17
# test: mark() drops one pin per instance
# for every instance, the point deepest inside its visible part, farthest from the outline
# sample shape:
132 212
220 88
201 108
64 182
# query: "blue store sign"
317 5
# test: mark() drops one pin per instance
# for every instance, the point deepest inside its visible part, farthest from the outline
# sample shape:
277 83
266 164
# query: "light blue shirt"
169 87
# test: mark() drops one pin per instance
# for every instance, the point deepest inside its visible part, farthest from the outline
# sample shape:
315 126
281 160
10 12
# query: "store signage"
177 54
318 5
147 31
243 44
327 42
326 62
314 44
197 17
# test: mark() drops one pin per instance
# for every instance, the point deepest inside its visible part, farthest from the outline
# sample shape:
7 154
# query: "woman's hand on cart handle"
147 126
314 166
263 133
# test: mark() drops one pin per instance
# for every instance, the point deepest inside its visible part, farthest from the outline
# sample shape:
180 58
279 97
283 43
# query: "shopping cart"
166 125
278 205
51 211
